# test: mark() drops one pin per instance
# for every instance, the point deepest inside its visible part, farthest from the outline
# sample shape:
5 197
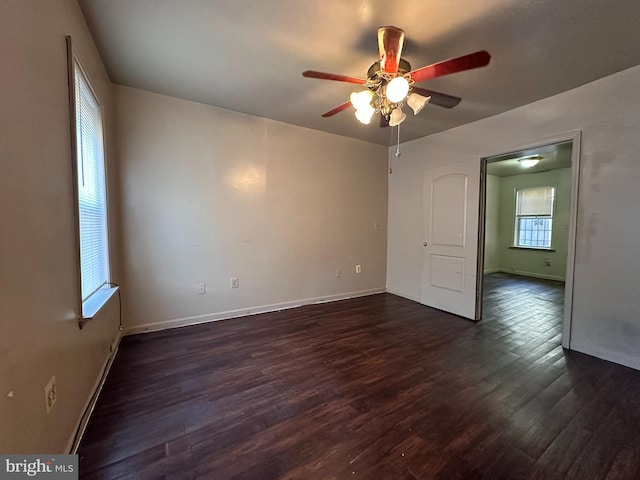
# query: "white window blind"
94 256
535 202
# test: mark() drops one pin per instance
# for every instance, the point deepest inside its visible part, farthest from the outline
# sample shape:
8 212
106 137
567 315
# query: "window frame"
88 307
516 219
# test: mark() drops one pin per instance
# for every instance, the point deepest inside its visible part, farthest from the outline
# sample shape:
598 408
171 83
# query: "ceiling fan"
390 81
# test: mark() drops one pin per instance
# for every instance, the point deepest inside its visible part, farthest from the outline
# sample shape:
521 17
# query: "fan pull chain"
398 145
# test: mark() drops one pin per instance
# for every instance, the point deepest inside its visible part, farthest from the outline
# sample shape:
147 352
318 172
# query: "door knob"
425 244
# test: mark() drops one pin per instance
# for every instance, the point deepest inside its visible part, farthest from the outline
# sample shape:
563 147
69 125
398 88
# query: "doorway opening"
528 205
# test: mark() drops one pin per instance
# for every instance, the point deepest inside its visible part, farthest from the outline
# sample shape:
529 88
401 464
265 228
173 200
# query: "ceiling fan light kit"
390 81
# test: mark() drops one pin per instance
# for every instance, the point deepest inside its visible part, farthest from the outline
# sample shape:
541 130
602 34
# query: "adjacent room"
267 240
527 231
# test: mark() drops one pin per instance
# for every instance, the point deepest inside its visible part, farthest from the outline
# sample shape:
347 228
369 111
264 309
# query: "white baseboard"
81 424
489 271
408 296
531 274
243 312
605 354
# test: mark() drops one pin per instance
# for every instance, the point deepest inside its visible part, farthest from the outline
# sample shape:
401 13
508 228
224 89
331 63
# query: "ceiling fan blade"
338 109
454 65
437 98
333 76
390 43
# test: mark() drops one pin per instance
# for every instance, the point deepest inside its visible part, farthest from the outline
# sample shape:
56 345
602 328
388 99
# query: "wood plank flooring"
376 388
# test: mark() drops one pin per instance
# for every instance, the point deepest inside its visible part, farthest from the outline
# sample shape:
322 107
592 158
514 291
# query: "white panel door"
450 229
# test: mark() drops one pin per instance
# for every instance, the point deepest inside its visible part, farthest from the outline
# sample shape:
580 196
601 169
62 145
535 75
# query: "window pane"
534 232
94 259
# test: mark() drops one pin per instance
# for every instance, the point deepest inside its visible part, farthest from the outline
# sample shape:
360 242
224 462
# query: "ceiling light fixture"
528 162
397 89
417 102
397 117
364 115
390 81
361 101
384 95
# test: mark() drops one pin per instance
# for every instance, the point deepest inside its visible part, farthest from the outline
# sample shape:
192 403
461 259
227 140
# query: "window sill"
543 249
95 302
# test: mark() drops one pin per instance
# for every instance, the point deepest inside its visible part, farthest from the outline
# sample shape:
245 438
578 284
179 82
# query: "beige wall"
38 287
605 300
532 262
210 194
492 225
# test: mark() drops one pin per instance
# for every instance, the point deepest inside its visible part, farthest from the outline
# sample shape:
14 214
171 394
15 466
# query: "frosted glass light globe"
417 102
397 117
528 162
397 89
361 100
364 114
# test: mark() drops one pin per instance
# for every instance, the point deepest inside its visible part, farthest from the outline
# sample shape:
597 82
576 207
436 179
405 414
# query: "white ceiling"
248 55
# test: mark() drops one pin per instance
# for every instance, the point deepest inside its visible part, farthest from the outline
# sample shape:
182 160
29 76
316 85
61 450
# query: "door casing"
575 138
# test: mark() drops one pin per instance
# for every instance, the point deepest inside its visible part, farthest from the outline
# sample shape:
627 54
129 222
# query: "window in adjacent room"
534 217
92 195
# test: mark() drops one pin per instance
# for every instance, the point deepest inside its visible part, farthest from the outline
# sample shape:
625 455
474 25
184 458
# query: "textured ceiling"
248 56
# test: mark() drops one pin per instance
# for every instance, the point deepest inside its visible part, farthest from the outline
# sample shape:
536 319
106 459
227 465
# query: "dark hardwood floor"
377 388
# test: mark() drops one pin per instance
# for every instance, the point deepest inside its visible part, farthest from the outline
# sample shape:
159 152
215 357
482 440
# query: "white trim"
564 137
87 308
403 295
71 80
92 305
576 140
491 270
81 424
243 312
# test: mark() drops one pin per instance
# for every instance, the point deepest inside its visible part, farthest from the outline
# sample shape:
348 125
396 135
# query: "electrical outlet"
50 395
338 273
202 288
358 269
234 282
547 261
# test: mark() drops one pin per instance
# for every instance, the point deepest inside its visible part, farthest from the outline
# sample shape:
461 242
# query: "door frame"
575 138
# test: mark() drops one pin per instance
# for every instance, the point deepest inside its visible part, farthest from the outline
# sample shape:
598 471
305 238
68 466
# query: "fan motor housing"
374 70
